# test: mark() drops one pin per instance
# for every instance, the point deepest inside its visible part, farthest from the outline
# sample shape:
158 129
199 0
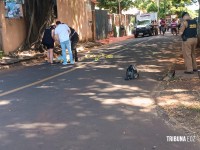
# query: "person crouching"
48 42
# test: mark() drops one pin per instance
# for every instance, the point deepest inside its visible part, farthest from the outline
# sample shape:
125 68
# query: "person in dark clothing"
74 37
48 42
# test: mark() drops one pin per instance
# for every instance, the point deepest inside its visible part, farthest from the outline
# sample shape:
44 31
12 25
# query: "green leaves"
113 5
152 7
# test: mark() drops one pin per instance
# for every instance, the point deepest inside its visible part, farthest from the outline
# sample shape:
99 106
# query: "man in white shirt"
62 33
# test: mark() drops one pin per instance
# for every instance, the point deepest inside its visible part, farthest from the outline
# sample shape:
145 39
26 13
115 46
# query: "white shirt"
62 30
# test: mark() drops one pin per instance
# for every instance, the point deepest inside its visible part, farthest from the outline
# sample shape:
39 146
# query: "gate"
101 24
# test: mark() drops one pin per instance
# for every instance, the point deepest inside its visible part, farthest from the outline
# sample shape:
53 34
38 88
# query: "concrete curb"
19 62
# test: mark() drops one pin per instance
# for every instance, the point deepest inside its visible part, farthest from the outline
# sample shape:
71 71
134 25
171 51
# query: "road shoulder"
178 99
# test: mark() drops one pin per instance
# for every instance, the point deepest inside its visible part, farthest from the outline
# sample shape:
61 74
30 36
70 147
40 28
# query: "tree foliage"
164 7
152 7
113 5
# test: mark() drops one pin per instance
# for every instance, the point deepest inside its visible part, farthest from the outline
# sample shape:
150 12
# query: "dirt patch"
178 100
179 65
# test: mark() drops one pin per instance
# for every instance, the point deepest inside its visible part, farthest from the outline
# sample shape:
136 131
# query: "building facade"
12 31
76 13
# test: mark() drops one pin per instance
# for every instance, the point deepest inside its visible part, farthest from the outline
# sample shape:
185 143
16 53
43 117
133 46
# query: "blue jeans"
66 45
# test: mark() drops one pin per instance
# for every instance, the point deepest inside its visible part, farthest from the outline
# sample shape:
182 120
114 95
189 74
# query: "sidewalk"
179 98
31 56
115 39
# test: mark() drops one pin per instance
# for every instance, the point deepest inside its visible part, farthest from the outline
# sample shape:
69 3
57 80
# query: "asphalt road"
89 106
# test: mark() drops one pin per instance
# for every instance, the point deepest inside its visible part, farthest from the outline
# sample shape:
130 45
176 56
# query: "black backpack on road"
131 73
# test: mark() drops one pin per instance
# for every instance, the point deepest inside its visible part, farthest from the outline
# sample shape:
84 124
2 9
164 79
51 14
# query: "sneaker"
64 63
189 72
72 63
195 70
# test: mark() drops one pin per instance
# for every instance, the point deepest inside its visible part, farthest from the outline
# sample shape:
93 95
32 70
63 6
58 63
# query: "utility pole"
165 7
158 4
119 5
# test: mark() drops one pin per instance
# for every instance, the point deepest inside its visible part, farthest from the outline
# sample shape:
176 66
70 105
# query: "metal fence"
112 24
101 24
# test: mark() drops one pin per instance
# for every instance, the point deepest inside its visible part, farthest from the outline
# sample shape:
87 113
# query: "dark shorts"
49 45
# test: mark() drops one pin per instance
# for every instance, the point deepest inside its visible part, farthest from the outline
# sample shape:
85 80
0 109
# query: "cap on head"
184 13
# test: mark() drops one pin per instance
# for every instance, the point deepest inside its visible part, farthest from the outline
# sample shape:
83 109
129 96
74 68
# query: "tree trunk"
198 45
38 14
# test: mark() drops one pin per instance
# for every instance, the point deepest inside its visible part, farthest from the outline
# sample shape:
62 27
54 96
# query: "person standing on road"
155 27
74 37
178 24
174 27
48 42
159 25
189 36
163 26
62 33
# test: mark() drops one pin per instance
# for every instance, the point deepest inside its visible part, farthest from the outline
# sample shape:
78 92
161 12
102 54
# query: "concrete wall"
1 43
13 31
77 14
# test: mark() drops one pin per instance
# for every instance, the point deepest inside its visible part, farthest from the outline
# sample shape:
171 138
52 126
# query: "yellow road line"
54 76
38 82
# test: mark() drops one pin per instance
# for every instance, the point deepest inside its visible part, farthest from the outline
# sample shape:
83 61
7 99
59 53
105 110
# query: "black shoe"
195 70
189 72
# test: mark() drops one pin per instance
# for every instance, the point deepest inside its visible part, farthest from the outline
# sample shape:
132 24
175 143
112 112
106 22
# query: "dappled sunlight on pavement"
90 107
32 130
149 68
4 102
136 101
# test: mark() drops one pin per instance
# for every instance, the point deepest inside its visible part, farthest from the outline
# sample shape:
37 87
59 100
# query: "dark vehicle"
143 28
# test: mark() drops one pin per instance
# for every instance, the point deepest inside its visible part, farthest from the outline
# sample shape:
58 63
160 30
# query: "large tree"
38 14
